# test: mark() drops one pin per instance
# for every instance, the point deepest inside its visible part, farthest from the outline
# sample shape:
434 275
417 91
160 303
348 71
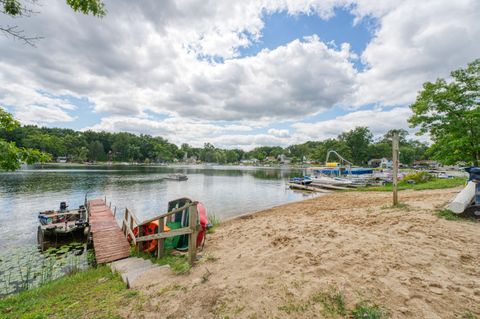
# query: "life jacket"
149 229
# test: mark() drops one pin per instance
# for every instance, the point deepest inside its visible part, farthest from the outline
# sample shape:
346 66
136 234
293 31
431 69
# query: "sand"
272 263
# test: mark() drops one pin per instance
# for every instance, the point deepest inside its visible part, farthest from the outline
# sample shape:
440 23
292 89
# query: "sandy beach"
272 264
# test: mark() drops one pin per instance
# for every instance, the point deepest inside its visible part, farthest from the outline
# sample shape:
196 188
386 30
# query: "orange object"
149 229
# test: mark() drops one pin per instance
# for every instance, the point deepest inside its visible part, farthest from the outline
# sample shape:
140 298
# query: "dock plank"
108 240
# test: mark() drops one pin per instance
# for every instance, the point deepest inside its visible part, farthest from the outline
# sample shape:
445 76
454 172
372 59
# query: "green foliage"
11 156
448 214
94 293
215 221
358 140
333 302
7 122
12 7
419 177
95 7
469 315
450 113
368 310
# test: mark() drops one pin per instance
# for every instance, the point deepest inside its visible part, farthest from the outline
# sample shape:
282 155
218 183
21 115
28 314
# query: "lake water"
226 191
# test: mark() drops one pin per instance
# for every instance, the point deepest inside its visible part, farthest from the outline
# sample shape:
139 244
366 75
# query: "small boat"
332 180
61 222
305 180
177 177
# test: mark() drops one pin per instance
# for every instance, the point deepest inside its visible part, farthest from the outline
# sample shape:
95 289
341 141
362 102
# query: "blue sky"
193 74
282 28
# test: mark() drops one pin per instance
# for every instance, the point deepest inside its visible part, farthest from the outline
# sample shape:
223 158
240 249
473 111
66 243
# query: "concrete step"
128 264
133 268
152 276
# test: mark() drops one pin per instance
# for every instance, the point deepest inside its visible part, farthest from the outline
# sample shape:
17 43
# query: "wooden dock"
109 242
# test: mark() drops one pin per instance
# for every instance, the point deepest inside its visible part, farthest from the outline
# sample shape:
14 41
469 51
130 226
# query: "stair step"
130 264
134 268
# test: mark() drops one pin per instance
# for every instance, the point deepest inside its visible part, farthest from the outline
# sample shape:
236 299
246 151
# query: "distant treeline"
356 145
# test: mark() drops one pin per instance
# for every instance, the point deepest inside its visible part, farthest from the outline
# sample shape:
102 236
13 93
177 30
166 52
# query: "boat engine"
63 206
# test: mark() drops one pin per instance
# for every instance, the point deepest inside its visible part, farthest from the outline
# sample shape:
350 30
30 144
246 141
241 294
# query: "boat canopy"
353 171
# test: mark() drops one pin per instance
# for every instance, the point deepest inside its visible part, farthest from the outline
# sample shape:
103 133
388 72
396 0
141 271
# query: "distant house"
380 162
61 159
191 160
249 161
426 163
282 158
270 159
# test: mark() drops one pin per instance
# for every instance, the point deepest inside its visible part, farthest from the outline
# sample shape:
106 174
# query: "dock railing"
130 222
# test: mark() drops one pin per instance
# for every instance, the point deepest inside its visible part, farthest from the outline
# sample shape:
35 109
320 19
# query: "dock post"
125 220
395 167
192 240
161 241
139 234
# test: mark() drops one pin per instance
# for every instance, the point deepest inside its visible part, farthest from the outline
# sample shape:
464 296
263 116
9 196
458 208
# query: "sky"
237 74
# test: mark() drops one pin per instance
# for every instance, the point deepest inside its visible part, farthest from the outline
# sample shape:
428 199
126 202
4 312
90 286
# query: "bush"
419 177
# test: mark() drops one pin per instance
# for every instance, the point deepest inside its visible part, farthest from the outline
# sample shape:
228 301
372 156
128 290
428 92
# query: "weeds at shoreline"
214 221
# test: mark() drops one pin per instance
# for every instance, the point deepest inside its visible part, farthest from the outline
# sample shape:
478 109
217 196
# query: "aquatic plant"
25 268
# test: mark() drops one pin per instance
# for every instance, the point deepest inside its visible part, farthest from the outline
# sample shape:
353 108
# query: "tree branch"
18 34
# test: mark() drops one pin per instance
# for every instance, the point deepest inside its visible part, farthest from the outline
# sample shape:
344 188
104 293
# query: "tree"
402 136
18 8
358 140
11 156
95 150
450 113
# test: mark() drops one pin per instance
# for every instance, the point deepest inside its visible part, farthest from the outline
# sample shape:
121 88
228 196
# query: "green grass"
368 310
94 293
333 302
215 221
178 263
434 184
469 315
401 206
448 215
333 305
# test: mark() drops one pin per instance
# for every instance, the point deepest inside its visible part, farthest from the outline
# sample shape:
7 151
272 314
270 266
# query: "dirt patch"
270 264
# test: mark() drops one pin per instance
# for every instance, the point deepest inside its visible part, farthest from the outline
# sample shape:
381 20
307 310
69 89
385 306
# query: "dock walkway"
109 241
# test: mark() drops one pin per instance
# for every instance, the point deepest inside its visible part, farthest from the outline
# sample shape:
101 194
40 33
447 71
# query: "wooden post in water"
395 167
192 240
161 241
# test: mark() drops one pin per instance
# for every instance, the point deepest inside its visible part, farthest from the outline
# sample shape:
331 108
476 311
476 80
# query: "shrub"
419 177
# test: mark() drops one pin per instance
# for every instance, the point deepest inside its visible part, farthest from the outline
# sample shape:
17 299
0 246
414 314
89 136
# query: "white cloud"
417 41
149 58
279 133
379 121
